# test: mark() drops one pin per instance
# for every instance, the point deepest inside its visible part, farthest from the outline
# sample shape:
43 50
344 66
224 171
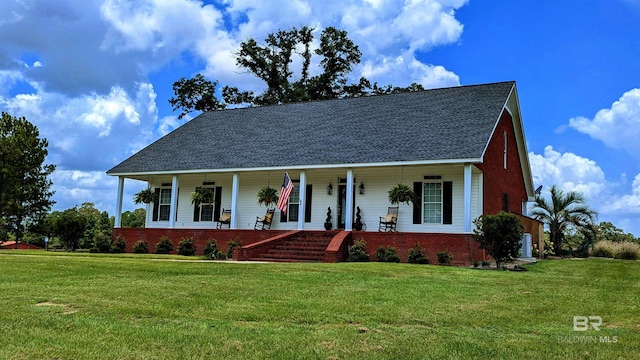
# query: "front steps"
299 247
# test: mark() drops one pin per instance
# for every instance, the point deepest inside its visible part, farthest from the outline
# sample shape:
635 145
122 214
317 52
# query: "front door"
342 204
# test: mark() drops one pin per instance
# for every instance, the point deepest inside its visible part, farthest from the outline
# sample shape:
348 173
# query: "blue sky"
95 76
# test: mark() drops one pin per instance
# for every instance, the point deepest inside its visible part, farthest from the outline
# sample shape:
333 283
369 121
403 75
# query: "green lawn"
88 306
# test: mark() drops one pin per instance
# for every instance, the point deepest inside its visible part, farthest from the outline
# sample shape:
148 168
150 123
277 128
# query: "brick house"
462 149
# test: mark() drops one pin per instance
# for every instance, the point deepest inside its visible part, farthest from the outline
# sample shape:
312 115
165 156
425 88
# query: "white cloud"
614 201
618 126
568 171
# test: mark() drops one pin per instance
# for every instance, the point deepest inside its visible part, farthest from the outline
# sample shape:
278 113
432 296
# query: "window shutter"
447 202
505 202
307 204
283 216
417 208
196 211
218 203
156 205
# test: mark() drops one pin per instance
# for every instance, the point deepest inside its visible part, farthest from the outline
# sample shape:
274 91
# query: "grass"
88 306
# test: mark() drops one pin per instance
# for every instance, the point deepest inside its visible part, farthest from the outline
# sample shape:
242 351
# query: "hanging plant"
267 196
202 195
145 196
401 193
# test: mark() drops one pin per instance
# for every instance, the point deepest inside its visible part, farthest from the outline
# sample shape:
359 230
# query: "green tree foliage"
271 62
25 189
563 213
609 232
196 94
69 226
134 219
500 235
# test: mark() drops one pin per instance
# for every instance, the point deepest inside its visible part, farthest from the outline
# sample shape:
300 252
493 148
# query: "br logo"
582 323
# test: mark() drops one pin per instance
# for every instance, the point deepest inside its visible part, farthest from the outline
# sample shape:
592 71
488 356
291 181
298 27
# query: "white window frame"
428 205
162 204
211 204
290 204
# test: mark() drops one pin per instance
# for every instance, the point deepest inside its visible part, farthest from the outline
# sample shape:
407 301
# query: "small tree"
500 235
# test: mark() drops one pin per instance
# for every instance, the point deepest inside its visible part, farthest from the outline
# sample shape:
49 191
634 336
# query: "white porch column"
348 215
174 202
235 185
467 198
302 197
118 222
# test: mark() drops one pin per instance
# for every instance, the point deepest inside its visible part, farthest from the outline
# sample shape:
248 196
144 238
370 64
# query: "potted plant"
327 223
145 196
267 196
402 193
202 195
358 224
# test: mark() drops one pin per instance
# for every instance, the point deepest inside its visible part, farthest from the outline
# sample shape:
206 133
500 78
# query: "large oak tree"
271 62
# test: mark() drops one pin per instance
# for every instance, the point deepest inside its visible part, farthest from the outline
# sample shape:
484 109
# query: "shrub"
387 254
415 255
444 257
358 251
603 249
187 246
164 246
619 250
500 235
102 242
141 247
627 251
232 245
118 245
211 250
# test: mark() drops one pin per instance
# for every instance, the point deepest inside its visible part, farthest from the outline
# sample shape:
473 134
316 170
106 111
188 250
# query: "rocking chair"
264 222
390 220
225 219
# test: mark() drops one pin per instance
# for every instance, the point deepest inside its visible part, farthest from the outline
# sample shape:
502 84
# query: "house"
462 149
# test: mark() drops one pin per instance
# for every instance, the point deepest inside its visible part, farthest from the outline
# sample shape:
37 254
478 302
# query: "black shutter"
447 202
417 207
196 211
156 205
505 202
283 216
218 203
307 205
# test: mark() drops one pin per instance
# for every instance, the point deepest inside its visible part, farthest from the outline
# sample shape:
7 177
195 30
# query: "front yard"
74 306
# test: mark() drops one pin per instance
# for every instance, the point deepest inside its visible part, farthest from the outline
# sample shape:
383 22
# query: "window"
164 207
204 211
505 150
294 203
432 202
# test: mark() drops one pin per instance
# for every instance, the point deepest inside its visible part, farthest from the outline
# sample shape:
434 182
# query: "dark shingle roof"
432 125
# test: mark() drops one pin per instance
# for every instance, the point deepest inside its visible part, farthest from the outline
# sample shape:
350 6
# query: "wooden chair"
389 221
264 222
225 219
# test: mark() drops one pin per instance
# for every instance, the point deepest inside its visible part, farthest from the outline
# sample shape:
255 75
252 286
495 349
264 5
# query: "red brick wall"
497 179
464 249
200 237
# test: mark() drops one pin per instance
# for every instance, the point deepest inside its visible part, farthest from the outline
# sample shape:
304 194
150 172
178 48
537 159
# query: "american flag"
285 192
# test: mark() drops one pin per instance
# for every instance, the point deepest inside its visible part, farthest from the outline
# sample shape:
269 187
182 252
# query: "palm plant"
562 213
